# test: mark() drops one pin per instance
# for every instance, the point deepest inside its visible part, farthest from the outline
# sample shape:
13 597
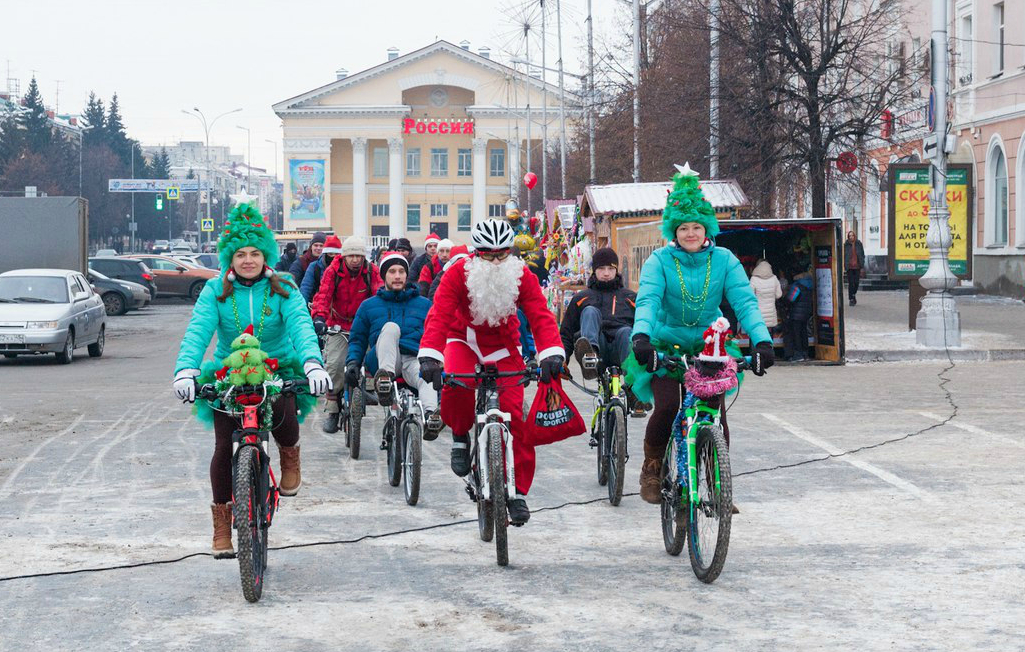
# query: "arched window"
996 194
1019 193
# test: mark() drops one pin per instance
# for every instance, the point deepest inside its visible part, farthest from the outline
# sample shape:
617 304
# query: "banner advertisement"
306 178
152 185
909 219
825 329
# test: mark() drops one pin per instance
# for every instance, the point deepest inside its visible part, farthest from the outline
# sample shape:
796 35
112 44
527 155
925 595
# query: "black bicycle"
253 487
492 470
608 432
403 437
352 405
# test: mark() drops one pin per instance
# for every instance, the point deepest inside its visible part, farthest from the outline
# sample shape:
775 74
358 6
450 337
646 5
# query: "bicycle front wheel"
710 518
357 401
601 450
393 441
674 532
615 447
412 443
249 513
496 477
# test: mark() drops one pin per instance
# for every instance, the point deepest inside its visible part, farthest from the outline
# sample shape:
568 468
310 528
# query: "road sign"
929 148
206 224
173 192
847 162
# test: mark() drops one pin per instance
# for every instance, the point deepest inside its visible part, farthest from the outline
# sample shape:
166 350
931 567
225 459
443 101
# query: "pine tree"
143 169
38 130
12 140
115 131
161 165
96 117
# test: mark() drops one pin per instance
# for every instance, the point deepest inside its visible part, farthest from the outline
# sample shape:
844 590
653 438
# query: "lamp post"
249 157
81 146
273 202
206 131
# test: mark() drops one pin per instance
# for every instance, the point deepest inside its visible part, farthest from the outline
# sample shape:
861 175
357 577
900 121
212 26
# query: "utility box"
44 232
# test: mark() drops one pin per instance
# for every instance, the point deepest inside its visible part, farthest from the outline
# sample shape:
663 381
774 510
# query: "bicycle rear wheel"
598 432
357 403
496 478
615 446
393 441
674 532
710 519
412 443
249 513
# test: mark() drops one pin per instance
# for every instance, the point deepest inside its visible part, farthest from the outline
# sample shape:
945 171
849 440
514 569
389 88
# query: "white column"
360 219
513 161
479 208
396 218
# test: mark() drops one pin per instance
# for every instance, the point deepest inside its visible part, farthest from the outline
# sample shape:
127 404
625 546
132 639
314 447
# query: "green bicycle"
608 432
697 486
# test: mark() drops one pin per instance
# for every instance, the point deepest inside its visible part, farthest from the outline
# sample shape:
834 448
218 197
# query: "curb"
957 355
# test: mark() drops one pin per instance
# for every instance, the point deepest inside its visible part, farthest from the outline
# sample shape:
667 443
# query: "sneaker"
461 456
583 351
432 425
382 382
330 424
518 512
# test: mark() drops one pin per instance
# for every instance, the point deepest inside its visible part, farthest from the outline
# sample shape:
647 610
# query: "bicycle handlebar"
672 362
528 374
293 387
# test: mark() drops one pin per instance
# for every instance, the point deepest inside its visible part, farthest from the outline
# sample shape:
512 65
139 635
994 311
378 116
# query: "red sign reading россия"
437 126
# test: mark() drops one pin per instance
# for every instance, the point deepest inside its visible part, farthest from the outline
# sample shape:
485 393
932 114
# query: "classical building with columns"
432 140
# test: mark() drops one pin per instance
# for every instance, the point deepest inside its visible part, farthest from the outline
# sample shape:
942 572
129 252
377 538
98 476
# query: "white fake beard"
493 289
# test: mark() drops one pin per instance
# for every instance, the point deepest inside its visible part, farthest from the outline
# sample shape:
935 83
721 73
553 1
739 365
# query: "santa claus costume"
473 320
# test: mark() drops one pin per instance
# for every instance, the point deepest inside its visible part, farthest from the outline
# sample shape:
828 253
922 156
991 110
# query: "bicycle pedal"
516 524
590 362
593 443
384 445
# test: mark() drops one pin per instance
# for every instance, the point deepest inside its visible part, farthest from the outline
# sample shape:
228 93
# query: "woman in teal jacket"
250 295
681 287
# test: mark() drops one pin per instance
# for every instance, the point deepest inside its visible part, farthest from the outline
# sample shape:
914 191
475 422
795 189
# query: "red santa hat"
332 245
458 252
715 338
432 239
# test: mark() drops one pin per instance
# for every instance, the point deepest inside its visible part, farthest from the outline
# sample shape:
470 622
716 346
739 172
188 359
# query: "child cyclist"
681 287
249 294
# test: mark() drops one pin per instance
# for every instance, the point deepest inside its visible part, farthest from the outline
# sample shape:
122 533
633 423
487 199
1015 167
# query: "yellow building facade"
433 140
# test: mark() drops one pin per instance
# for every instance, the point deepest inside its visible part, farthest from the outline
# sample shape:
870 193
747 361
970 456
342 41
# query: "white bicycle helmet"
492 234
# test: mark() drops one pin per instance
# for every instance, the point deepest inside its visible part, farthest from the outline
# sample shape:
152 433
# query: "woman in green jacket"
250 294
681 287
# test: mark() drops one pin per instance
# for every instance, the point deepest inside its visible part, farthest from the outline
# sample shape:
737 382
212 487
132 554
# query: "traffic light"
160 203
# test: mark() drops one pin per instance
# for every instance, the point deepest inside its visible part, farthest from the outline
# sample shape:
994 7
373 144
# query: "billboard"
909 219
306 182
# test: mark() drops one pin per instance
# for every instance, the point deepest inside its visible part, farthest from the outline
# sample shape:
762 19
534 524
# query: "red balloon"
530 180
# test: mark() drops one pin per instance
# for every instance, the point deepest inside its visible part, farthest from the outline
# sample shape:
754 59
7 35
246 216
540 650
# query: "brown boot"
222 531
651 475
291 478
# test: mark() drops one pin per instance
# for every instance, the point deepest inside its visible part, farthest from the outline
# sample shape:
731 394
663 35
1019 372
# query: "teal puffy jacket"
659 313
287 335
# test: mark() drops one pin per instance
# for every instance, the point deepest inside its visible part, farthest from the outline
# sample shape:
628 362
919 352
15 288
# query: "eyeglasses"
500 254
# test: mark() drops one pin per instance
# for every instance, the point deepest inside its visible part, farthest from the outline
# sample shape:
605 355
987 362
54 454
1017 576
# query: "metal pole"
132 227
544 111
209 188
530 119
590 95
938 323
713 81
81 146
637 91
562 101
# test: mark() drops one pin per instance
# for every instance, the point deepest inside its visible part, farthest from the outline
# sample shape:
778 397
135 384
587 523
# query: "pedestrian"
298 268
430 248
249 297
767 289
287 258
854 264
434 267
314 273
801 305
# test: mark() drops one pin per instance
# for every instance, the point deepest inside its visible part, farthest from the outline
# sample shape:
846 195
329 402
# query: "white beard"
493 289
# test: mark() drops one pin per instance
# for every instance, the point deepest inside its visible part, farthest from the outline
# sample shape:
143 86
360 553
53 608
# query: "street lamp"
81 146
206 130
275 143
249 157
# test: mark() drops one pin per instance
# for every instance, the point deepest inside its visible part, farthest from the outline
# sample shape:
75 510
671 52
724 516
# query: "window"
998 27
463 217
998 203
496 210
439 162
413 162
465 163
412 217
379 210
965 47
380 161
497 162
439 210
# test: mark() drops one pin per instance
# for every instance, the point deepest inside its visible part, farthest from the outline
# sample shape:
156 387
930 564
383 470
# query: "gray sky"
218 55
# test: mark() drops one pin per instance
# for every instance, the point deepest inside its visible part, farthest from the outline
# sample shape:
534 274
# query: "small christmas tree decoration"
248 364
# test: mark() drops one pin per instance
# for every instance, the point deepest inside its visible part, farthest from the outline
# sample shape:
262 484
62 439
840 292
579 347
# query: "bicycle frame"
694 413
489 419
610 390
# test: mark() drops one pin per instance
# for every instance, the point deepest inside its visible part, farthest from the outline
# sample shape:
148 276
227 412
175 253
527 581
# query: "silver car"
50 311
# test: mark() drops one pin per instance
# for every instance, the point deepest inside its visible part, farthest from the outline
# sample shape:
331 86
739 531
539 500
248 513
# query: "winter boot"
461 455
518 512
291 478
651 475
330 424
382 384
432 425
222 531
583 351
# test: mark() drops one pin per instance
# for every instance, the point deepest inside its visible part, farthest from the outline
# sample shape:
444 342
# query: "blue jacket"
287 334
660 307
311 279
527 347
404 307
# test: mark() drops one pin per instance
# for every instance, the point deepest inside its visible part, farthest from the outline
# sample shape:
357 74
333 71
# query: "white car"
50 311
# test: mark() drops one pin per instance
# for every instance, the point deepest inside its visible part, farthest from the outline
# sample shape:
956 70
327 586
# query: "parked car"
50 311
106 252
126 268
209 261
160 247
118 296
175 277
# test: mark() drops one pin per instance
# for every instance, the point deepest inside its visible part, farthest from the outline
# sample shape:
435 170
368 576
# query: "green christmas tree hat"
246 228
686 203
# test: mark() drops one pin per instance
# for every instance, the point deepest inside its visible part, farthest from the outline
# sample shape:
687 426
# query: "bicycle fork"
497 427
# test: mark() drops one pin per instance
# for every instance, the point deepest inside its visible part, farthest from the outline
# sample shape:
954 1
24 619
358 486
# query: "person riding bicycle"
315 272
348 282
249 294
435 266
473 320
430 248
310 256
385 338
681 287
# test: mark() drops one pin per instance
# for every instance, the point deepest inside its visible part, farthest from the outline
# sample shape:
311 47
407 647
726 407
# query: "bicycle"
403 438
254 488
697 485
608 431
492 470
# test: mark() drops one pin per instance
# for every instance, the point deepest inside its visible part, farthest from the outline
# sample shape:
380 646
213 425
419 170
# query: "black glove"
430 370
319 325
551 367
351 374
762 358
644 352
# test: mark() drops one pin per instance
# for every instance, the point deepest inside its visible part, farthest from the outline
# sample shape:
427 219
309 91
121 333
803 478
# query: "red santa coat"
341 292
450 320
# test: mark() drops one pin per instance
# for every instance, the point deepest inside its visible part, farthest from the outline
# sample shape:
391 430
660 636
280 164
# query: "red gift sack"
552 416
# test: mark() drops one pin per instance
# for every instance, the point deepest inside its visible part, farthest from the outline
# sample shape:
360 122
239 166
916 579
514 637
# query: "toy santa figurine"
715 338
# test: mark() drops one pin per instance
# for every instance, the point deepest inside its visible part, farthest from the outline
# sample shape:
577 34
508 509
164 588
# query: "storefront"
430 141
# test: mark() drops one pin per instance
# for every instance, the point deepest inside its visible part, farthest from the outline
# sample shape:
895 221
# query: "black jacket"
858 249
801 297
615 302
418 264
